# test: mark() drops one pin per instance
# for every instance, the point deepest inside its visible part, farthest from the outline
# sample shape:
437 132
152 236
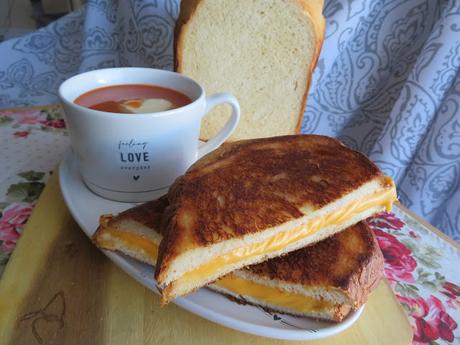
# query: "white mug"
136 157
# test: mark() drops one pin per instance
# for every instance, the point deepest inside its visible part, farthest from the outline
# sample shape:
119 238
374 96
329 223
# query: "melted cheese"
282 239
136 242
272 296
239 286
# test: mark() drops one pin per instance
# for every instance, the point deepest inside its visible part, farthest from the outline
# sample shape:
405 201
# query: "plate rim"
64 172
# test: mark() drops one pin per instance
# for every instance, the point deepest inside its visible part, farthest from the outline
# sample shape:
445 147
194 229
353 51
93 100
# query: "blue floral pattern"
387 81
388 84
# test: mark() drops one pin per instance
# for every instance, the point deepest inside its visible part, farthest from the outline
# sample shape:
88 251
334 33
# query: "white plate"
86 208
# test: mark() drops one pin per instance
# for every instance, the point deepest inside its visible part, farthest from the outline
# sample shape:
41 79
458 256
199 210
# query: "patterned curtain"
387 81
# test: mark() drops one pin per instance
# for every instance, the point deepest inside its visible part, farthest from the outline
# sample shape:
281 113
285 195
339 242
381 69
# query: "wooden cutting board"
59 289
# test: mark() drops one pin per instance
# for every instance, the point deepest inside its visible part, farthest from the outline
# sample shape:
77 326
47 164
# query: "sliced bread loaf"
263 52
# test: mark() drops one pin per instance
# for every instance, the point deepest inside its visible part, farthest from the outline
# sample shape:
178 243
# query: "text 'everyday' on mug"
136 157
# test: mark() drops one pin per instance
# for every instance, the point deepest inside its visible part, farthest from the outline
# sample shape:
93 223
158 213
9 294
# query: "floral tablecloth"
422 268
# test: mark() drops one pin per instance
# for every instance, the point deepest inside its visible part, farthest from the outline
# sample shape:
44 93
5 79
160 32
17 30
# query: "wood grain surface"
59 289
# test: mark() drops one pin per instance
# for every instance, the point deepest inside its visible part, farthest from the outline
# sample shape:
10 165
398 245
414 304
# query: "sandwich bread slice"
324 281
253 200
262 52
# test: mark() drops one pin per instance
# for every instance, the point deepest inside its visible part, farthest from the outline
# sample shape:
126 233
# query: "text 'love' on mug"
135 157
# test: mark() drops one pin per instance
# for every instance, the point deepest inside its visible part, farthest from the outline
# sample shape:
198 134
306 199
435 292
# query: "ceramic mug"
136 157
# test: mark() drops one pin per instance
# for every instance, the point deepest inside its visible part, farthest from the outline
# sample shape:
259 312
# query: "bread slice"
135 230
253 200
262 52
323 281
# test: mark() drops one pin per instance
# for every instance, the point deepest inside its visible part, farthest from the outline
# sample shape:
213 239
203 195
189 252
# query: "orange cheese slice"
131 242
272 296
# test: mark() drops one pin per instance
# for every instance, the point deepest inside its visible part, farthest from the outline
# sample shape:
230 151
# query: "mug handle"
211 102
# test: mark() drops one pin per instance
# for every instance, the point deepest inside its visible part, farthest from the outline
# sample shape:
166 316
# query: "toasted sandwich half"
324 281
253 200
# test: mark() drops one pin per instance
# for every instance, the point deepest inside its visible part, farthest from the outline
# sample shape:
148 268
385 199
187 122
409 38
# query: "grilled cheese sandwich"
327 297
253 200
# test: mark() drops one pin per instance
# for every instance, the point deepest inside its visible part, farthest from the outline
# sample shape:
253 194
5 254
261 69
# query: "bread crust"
311 10
187 8
148 214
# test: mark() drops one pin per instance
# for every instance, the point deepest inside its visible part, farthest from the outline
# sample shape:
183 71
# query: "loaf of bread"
261 51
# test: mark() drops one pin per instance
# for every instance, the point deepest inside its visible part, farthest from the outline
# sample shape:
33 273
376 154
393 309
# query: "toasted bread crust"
248 186
97 236
149 214
312 10
355 267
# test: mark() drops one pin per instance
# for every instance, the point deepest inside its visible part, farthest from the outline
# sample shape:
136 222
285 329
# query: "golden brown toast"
256 199
331 277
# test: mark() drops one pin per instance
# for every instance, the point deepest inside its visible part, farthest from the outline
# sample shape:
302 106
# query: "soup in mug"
133 99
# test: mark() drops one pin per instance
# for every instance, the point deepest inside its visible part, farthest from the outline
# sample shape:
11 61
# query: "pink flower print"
30 117
431 320
399 263
452 291
13 219
386 220
9 237
16 213
57 123
414 235
21 134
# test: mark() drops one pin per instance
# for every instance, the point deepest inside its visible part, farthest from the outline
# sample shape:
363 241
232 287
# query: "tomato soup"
131 98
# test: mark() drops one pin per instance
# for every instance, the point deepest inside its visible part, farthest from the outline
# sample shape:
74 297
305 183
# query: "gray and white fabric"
387 81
